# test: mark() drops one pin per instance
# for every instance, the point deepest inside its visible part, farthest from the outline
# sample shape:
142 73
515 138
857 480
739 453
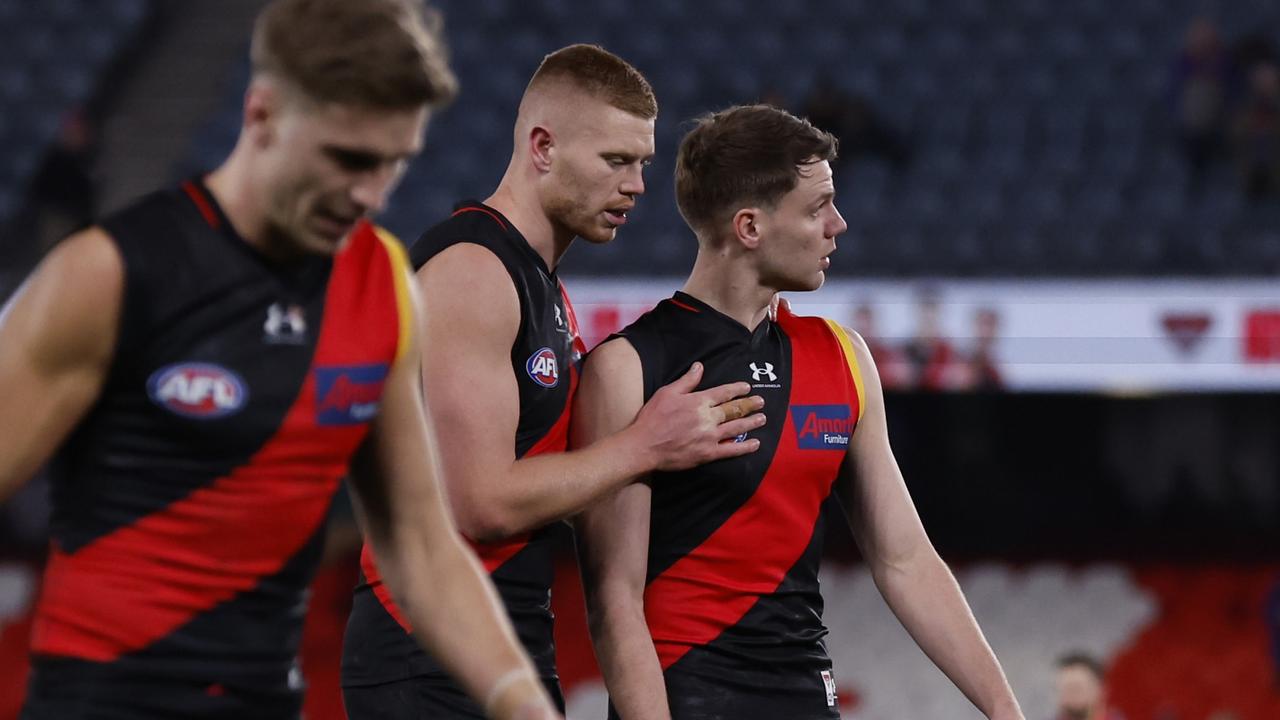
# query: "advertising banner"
1094 336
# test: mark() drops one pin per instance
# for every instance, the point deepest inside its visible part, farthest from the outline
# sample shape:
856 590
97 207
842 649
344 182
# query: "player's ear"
261 106
541 147
746 227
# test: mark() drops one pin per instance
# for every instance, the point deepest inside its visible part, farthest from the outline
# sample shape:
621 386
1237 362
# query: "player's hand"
778 303
686 428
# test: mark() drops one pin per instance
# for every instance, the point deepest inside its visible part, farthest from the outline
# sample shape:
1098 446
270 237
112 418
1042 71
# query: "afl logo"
543 368
202 391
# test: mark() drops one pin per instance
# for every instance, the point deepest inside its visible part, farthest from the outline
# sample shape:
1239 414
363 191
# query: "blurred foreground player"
703 585
500 359
211 361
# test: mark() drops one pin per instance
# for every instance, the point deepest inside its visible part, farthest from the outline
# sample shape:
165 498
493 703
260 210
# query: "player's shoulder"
473 288
470 268
666 318
614 357
786 318
470 224
851 343
162 202
369 240
89 254
156 214
76 292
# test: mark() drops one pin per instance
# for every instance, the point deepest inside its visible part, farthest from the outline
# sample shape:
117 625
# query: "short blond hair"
601 74
385 54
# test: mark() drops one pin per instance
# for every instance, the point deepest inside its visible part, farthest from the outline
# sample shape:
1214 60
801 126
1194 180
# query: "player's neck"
546 239
729 286
233 189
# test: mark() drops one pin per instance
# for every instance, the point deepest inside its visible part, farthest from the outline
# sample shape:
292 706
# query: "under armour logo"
285 324
762 373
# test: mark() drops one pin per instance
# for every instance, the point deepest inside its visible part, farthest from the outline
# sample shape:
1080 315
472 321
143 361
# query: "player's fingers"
687 382
739 408
738 427
731 449
721 394
778 302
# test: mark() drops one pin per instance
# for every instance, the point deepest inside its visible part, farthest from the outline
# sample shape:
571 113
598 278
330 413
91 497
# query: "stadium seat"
1018 119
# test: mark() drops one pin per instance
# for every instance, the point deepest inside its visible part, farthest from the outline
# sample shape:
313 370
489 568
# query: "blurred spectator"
1081 690
63 191
1257 133
1201 84
982 371
856 124
894 369
932 358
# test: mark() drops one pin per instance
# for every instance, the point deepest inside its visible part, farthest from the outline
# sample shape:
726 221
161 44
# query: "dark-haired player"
703 584
209 363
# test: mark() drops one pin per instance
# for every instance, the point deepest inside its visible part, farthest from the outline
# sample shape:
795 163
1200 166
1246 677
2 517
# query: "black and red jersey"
190 502
731 595
545 358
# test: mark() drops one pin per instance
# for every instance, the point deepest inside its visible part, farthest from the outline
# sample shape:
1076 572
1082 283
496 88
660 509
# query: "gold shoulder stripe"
400 273
846 345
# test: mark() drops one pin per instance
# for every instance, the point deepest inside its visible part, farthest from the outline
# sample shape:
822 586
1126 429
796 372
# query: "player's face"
799 235
597 173
1079 692
331 165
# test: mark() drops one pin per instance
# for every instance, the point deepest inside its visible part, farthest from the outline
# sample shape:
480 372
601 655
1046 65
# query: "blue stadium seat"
1040 131
46 69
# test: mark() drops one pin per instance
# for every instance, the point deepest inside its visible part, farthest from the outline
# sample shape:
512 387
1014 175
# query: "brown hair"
745 155
602 74
385 54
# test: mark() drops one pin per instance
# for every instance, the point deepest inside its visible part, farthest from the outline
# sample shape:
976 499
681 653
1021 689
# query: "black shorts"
65 689
751 693
420 698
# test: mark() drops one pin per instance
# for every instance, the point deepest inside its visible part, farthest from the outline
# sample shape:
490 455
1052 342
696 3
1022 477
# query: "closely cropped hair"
384 54
602 74
748 155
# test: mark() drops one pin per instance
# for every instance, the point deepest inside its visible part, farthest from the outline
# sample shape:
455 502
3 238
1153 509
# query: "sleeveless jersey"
189 504
545 358
731 596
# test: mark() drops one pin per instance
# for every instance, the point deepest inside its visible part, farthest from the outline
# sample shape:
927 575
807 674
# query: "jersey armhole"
399 259
649 374
515 286
846 347
131 327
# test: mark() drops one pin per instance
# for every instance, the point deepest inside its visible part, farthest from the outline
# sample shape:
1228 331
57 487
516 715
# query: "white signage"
1109 336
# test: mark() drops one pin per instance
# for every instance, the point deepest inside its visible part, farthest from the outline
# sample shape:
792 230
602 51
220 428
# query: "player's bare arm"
471 393
57 338
915 582
613 541
460 621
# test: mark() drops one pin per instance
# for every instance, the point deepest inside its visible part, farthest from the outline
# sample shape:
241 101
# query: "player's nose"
370 190
633 182
838 224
